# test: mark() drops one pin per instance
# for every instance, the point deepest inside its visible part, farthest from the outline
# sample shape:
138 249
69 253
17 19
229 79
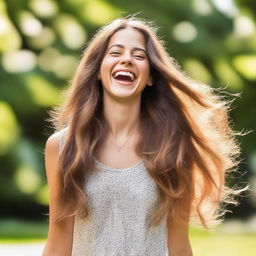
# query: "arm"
178 239
60 235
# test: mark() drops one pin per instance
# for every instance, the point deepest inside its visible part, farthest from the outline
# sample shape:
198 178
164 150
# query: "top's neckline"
108 168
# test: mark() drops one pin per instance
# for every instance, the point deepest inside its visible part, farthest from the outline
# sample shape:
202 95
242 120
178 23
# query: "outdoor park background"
41 42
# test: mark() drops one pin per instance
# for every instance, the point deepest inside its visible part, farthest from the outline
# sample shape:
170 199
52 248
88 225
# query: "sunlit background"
41 42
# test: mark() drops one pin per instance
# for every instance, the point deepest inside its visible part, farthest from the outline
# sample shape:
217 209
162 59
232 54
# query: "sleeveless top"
120 201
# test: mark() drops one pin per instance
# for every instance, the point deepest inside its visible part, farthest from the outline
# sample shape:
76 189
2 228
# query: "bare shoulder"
52 147
52 143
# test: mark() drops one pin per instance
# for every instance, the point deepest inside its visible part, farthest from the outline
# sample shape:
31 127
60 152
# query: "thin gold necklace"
119 148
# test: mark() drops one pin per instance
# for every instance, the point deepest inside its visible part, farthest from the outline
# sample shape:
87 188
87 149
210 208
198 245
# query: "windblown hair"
185 136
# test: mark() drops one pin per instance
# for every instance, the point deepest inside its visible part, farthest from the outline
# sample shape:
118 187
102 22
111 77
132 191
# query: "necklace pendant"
120 147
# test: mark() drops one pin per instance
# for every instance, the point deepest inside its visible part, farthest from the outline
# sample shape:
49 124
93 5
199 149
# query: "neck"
122 117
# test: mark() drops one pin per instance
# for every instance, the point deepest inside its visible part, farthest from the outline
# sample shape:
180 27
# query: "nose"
126 59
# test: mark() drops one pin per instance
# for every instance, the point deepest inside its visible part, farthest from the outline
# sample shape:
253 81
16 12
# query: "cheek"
145 70
103 72
105 67
102 67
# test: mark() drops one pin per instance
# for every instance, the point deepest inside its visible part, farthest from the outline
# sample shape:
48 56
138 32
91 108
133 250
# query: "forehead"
128 37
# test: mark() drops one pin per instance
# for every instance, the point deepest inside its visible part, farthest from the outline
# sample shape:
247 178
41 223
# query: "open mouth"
125 77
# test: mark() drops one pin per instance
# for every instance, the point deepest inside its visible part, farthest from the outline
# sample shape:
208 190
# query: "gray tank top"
120 201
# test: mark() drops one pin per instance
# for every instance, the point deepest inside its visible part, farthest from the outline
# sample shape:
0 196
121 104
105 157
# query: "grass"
20 231
222 242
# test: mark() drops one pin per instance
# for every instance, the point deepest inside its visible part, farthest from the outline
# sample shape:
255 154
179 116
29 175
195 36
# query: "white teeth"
124 73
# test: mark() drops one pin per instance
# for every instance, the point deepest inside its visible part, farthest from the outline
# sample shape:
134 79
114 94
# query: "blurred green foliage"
41 42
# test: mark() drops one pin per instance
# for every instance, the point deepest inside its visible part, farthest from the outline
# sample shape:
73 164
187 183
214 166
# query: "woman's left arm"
178 239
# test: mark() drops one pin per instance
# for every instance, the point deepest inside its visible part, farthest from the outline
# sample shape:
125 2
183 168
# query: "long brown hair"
185 138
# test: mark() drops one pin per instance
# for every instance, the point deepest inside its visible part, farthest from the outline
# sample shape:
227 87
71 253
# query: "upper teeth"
124 73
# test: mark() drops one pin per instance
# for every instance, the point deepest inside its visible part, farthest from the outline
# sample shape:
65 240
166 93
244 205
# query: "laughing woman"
139 152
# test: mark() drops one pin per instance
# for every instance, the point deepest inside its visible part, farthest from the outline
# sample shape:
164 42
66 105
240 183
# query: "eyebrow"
134 48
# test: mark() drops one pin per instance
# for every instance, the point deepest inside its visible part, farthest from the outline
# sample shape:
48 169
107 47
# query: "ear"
150 81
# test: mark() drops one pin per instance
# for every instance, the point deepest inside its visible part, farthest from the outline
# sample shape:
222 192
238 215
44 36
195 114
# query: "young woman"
140 151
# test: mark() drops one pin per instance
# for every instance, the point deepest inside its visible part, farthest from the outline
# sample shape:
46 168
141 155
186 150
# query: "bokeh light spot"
19 61
246 65
4 26
47 58
43 40
27 179
202 7
9 37
29 25
100 12
44 8
72 33
228 7
184 32
243 26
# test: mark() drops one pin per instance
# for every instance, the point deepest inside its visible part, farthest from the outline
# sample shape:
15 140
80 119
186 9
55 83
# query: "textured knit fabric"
120 201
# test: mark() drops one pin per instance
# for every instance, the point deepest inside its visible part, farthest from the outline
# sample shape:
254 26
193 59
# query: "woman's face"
125 69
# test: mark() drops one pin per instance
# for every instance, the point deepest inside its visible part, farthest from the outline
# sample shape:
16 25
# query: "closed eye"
115 53
139 56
